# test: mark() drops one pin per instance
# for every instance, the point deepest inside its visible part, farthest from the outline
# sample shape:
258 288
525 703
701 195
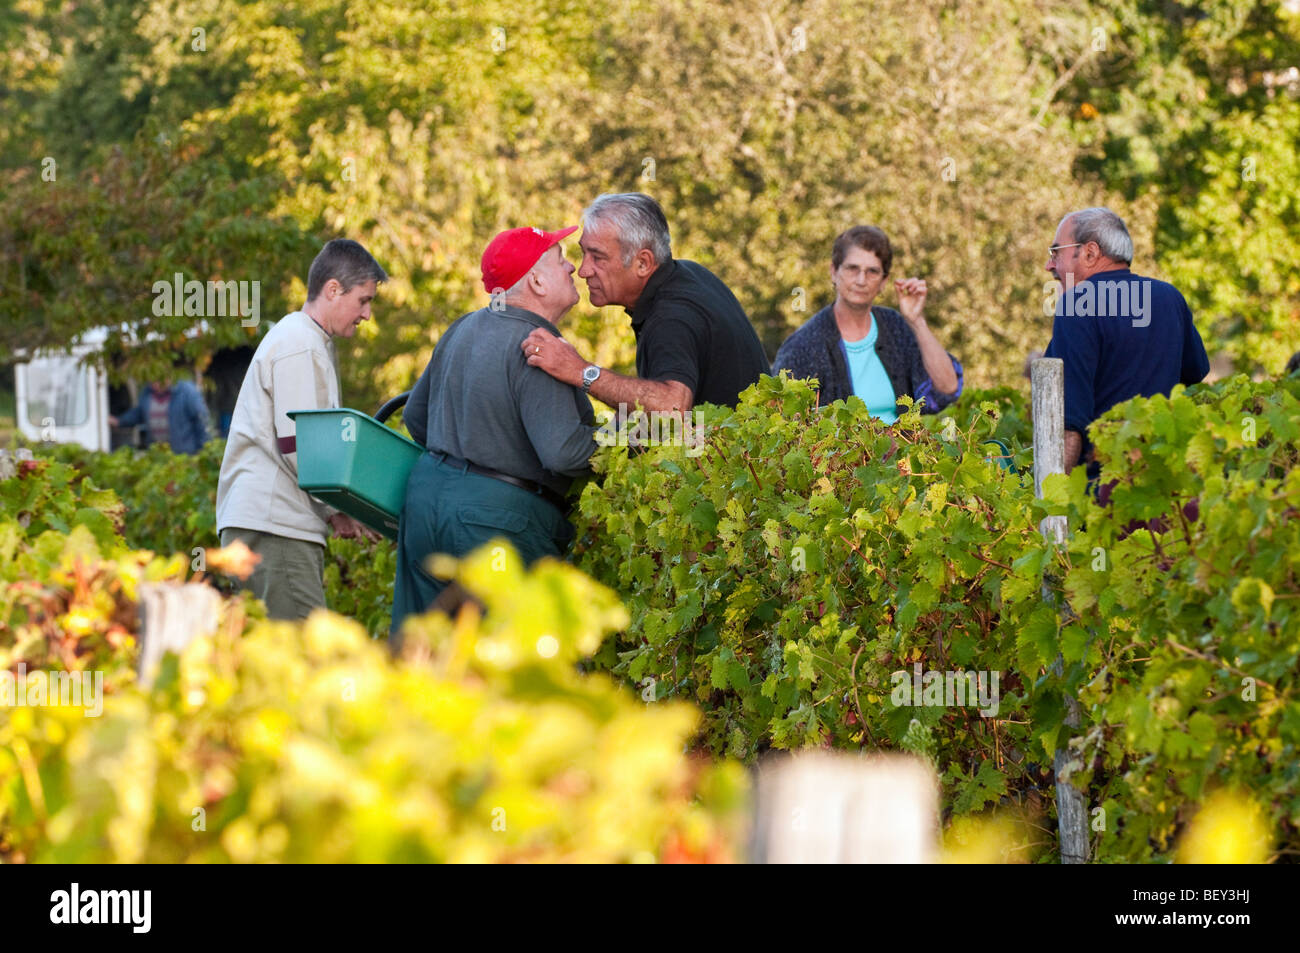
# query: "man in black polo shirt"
694 344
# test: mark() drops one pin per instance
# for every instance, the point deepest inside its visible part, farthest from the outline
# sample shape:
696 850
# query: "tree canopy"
228 139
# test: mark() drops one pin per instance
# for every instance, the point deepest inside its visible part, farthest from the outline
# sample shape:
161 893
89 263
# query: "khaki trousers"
289 577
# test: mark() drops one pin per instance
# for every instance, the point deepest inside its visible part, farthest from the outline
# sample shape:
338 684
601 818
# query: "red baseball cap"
511 254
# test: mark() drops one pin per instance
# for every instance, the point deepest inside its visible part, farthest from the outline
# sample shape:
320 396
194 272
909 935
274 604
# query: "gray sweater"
479 400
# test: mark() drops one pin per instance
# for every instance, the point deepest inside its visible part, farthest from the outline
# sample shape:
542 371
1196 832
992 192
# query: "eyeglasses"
853 271
1055 250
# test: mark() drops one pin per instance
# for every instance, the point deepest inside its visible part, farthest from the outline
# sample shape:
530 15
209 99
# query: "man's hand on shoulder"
555 356
558 358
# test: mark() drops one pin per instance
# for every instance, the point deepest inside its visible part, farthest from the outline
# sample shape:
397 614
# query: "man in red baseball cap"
505 440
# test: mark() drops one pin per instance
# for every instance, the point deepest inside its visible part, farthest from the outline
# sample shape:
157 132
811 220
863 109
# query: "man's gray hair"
1107 229
638 222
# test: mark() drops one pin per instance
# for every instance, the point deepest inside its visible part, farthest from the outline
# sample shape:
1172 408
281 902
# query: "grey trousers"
289 577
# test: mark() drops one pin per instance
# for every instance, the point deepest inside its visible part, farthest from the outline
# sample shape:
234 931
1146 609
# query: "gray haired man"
694 343
295 368
1121 335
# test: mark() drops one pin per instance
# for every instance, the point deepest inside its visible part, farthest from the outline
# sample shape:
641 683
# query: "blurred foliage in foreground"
275 742
1230 828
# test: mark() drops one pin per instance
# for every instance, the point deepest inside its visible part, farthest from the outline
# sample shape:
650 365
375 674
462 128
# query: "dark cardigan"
817 350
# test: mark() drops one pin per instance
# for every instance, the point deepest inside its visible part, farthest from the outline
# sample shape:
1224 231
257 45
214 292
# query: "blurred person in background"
172 414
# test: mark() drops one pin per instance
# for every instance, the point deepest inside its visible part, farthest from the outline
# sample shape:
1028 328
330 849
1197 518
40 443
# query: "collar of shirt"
522 314
326 338
329 338
1111 274
645 303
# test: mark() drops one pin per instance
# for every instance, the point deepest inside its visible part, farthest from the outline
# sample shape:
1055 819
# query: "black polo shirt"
690 328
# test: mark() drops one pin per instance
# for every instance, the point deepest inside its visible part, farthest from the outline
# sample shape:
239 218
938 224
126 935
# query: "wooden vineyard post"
821 807
1047 380
172 616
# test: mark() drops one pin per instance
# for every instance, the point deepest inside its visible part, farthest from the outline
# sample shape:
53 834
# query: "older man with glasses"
1120 335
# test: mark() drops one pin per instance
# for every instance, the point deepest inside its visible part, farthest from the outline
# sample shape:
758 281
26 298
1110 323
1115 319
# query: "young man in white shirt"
295 368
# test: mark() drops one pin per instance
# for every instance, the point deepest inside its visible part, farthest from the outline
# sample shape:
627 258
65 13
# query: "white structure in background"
62 398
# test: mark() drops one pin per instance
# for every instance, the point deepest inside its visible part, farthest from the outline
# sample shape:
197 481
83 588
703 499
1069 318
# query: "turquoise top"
870 382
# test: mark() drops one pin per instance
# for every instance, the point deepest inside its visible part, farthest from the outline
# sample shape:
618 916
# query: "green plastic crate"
355 464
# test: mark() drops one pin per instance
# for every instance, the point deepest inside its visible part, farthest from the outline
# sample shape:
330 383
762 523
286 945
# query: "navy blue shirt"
1122 335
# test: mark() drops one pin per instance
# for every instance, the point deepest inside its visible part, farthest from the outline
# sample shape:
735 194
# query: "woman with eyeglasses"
856 347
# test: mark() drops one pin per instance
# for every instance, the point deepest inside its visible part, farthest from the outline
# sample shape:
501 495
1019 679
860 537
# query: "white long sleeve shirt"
295 368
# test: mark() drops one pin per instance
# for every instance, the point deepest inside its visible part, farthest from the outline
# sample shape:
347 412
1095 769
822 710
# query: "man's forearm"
614 389
937 363
1073 449
557 357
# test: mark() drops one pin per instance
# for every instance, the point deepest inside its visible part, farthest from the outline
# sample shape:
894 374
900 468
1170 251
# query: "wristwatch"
590 374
